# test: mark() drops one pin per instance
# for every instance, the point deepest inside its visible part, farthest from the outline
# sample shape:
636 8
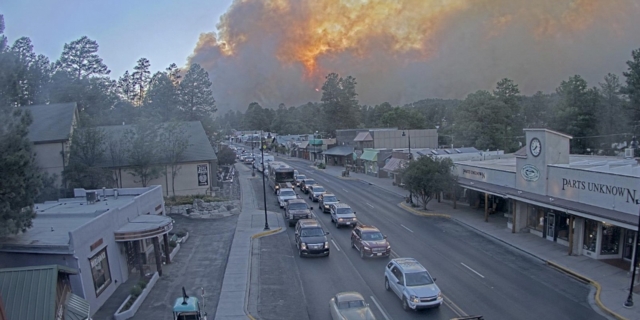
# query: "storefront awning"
339 151
369 155
393 165
145 226
579 209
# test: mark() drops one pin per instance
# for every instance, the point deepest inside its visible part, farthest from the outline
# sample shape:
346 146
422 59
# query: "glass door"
551 225
629 240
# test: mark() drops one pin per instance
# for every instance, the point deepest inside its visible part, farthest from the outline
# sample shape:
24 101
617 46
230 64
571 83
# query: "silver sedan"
350 306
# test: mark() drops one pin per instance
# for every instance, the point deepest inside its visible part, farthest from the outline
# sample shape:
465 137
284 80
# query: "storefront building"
587 203
105 235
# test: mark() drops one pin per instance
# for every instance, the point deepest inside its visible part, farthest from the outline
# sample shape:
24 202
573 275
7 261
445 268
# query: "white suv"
342 215
412 283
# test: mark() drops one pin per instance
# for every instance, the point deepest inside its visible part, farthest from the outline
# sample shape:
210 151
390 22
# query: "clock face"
535 146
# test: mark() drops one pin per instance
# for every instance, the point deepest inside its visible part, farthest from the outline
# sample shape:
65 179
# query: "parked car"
412 283
295 210
342 215
299 178
248 160
326 200
370 242
304 185
311 239
285 195
350 306
315 191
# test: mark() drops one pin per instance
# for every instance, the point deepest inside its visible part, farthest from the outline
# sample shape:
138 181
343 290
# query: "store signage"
96 244
203 175
628 194
478 174
97 259
530 173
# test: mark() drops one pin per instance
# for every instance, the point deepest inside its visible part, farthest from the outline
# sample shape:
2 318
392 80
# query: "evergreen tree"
86 157
141 78
507 92
576 113
632 89
339 103
481 120
162 99
81 60
21 182
196 96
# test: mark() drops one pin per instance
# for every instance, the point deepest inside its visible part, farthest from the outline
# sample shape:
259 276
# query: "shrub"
142 283
172 244
181 233
181 200
321 165
135 291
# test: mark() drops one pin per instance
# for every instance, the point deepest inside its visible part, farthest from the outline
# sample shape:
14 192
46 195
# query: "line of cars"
405 277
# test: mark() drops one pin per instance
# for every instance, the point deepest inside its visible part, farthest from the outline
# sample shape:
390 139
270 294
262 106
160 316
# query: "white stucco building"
587 203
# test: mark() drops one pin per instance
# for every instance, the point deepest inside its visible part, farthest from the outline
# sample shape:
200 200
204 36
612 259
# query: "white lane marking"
335 245
476 272
345 190
384 314
402 225
394 254
369 205
453 306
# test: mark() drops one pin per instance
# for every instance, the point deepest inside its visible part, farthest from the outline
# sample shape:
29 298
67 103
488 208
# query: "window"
418 279
396 272
535 218
610 243
100 271
590 235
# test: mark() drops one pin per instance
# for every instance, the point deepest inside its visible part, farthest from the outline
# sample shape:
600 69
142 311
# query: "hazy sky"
163 31
400 51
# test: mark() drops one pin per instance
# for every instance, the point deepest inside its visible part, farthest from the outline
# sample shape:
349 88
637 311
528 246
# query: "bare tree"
175 142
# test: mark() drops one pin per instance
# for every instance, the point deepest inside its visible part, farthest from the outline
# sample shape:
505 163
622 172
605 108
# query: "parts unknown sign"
203 175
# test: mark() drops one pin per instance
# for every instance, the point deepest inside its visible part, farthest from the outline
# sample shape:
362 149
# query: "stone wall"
206 210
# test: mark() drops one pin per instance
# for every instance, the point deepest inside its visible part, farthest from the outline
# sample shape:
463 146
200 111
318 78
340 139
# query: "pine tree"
81 60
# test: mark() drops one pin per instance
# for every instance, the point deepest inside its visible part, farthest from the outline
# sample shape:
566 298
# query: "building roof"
30 292
363 136
393 164
339 151
51 122
198 150
303 144
53 222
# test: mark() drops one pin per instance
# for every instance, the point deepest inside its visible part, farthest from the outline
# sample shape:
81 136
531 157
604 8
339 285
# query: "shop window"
563 226
535 218
610 239
100 271
590 235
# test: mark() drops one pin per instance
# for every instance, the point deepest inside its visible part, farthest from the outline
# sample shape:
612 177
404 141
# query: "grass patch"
181 200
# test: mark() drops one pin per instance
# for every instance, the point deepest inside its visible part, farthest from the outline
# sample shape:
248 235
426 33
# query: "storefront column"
578 235
454 195
520 220
136 252
570 235
486 207
156 251
513 215
167 249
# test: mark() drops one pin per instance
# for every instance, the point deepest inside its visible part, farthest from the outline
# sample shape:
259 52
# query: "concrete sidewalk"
235 286
611 283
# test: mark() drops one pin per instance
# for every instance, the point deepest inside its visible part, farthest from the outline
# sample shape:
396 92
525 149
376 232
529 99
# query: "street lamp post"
264 188
253 168
629 302
410 156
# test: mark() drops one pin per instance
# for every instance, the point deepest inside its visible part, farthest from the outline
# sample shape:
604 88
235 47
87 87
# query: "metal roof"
51 122
363 136
30 292
339 151
199 148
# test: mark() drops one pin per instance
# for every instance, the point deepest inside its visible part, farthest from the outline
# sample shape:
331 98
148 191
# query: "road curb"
594 283
266 233
423 214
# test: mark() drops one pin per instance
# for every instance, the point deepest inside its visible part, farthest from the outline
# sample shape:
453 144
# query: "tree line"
79 75
600 118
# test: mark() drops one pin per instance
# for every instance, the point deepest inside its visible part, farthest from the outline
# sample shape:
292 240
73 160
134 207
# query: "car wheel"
386 284
361 254
405 304
337 225
300 252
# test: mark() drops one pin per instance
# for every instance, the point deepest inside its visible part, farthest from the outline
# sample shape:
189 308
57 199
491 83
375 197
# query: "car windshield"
351 304
312 232
344 211
329 199
318 189
287 193
300 177
418 279
309 182
297 206
369 236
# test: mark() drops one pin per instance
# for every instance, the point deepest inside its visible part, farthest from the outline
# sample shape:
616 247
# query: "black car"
295 210
304 185
311 239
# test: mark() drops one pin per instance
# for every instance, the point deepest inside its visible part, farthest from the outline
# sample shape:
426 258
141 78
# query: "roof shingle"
51 122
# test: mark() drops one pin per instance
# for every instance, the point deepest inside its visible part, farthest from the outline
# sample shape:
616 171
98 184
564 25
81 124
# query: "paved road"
201 262
477 275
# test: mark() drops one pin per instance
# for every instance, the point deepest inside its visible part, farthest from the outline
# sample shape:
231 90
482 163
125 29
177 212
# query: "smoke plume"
279 51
